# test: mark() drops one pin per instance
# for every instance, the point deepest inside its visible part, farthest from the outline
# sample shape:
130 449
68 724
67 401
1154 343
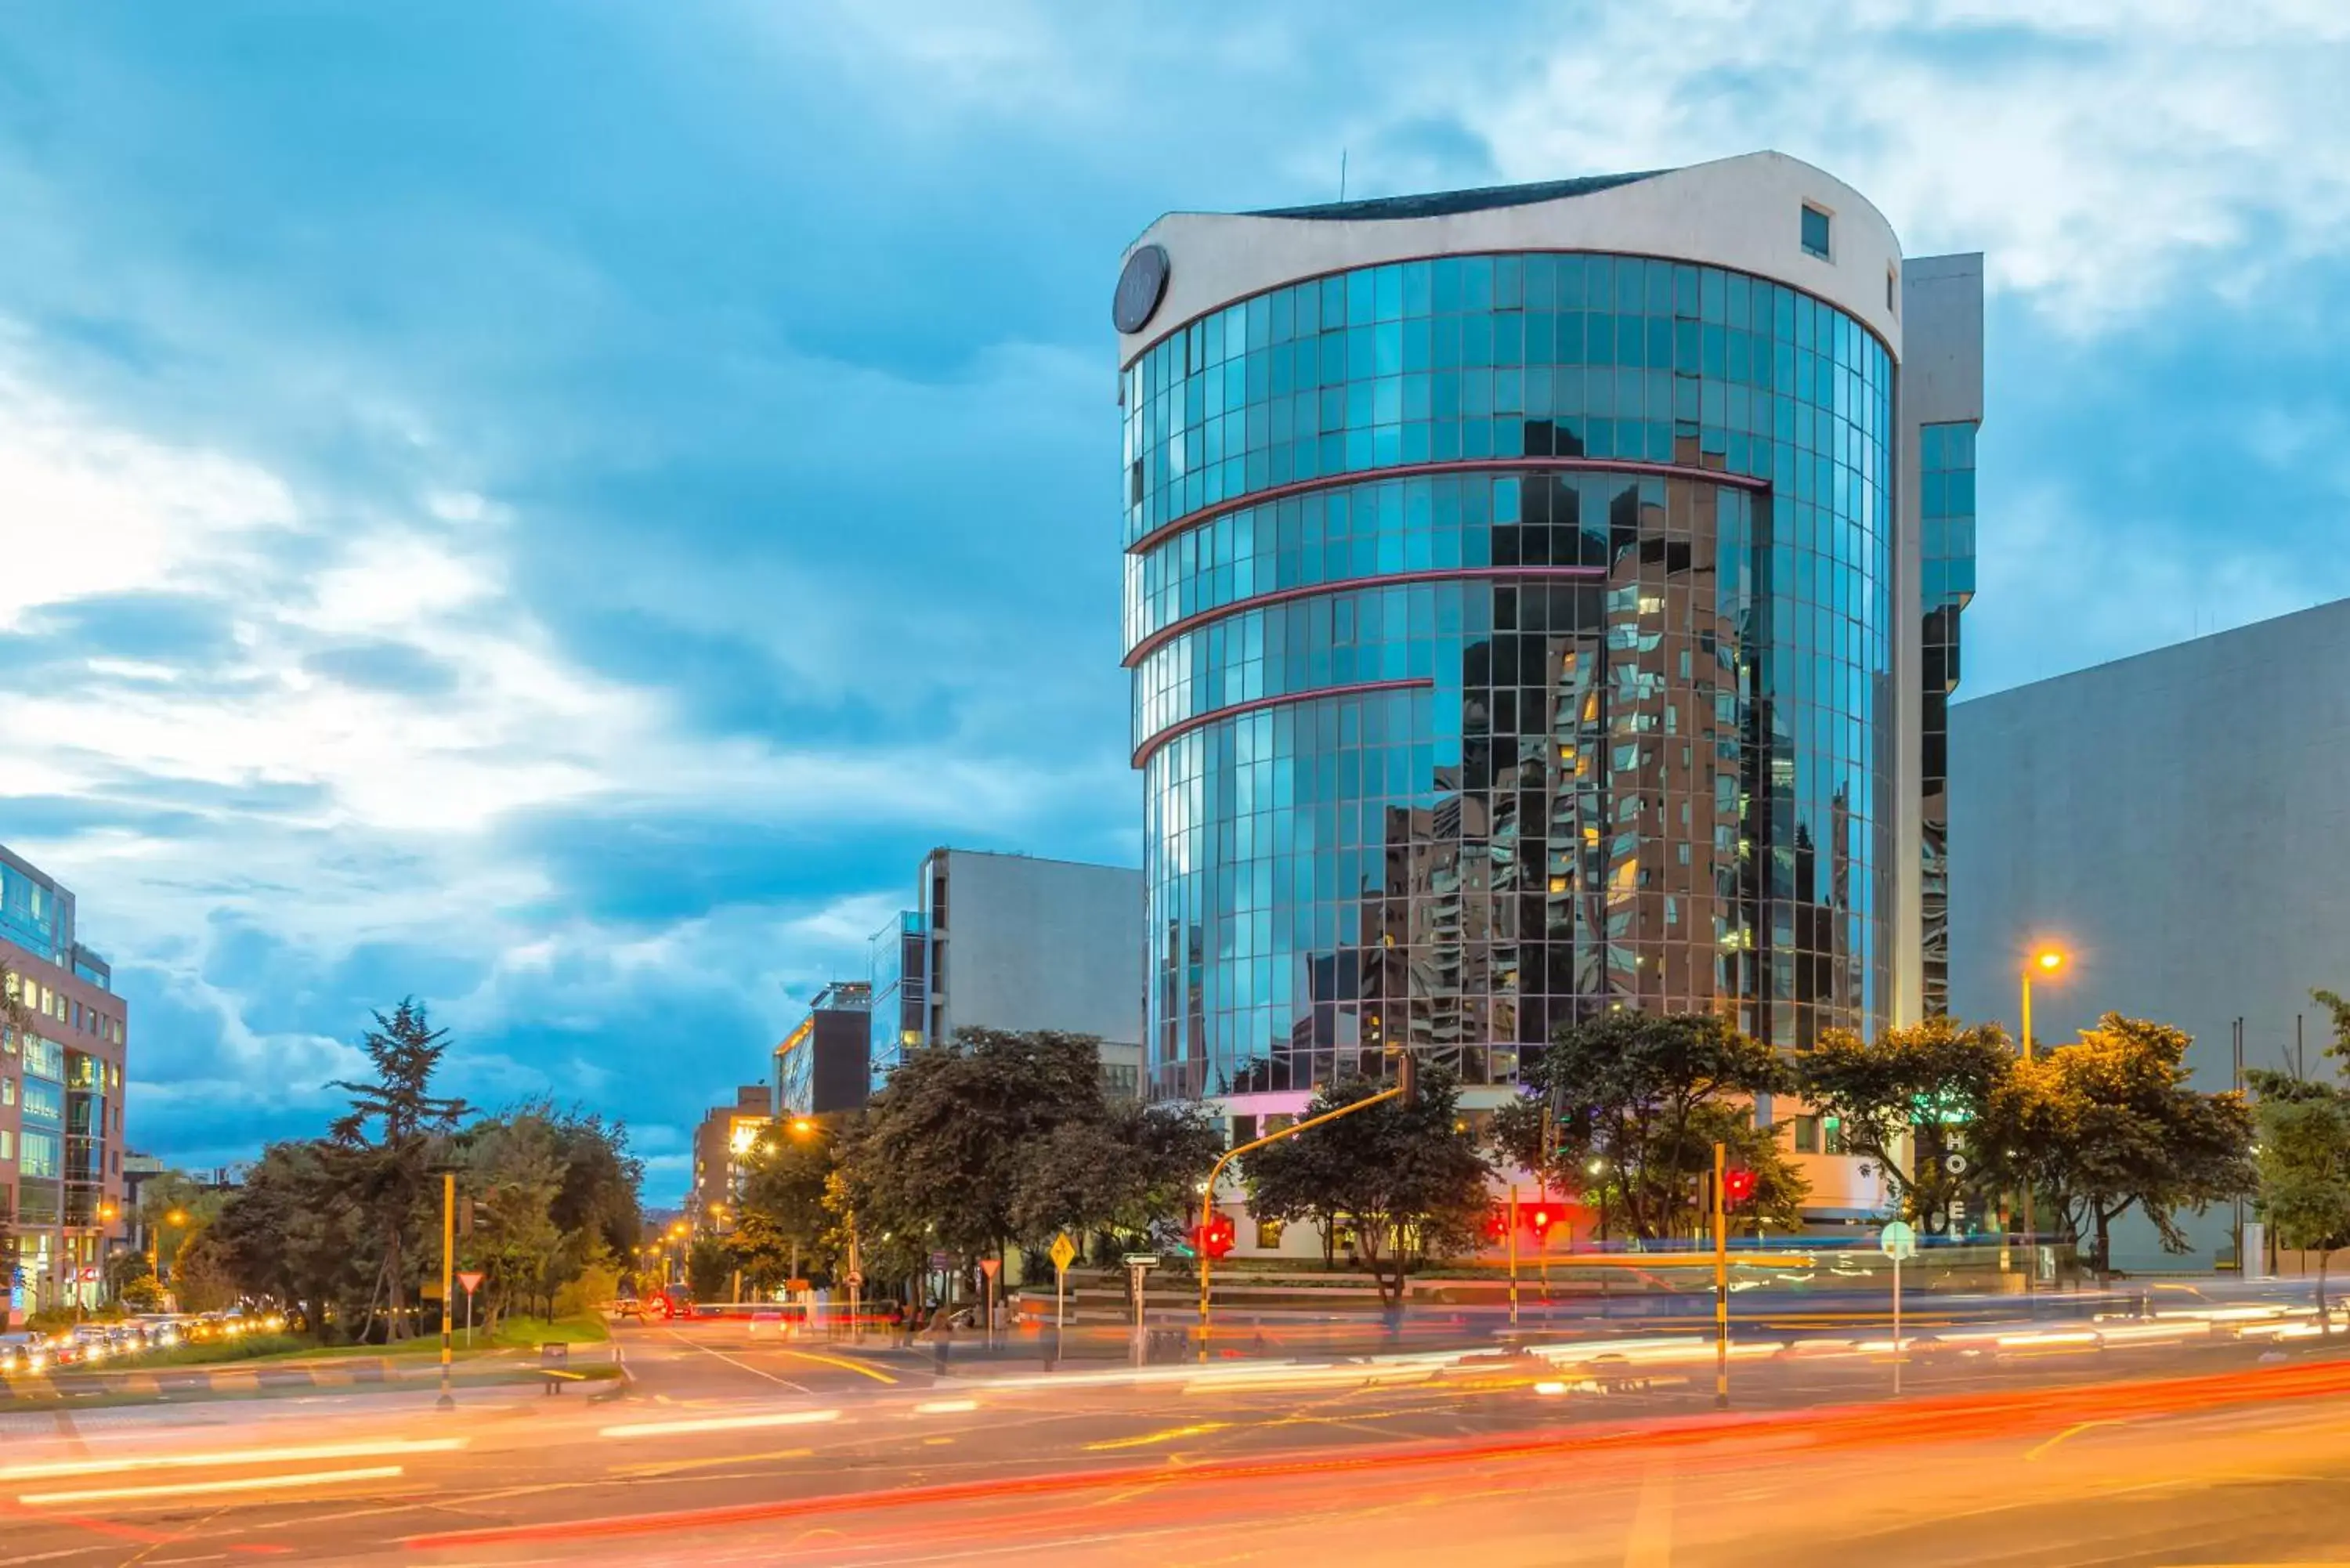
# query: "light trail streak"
945 1407
229 1458
210 1488
718 1424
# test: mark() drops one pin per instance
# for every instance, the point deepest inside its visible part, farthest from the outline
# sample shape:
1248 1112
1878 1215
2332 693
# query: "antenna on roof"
1342 173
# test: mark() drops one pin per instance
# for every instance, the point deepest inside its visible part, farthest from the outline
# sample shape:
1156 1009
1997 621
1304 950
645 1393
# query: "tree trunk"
2325 1318
2105 1247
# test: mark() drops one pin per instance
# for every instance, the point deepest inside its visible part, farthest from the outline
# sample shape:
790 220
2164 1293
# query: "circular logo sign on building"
1141 287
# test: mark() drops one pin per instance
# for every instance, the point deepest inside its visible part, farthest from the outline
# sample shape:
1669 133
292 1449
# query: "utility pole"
1513 1254
448 1282
2237 1082
1720 1285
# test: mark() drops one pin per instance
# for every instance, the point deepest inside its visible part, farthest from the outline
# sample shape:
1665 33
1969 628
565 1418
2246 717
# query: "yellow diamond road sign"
1064 1251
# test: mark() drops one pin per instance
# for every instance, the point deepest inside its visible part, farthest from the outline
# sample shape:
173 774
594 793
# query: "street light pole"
2048 960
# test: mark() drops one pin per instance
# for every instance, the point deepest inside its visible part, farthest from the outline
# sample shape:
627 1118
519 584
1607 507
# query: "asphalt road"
735 1445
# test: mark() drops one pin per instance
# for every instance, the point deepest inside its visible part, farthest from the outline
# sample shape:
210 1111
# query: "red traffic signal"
1215 1237
1540 1218
1737 1186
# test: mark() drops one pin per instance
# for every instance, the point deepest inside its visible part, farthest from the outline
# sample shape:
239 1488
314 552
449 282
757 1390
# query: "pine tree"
390 1170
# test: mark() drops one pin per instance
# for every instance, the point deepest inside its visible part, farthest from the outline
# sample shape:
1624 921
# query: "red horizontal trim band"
1200 721
1168 530
1175 628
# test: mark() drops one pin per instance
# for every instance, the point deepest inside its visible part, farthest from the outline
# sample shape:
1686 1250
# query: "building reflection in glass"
1588 710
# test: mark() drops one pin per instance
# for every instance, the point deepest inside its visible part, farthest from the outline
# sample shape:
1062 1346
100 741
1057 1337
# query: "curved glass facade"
1586 706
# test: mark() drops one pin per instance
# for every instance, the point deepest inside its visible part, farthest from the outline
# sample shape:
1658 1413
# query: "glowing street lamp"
2047 963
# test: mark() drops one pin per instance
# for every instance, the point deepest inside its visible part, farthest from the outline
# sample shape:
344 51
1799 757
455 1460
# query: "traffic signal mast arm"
1207 1198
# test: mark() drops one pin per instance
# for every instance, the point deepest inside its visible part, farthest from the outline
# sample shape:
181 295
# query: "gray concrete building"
1012 943
822 1066
2179 822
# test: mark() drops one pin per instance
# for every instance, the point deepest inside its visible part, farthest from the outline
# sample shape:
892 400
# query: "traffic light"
1495 1228
1737 1186
1215 1237
1540 1218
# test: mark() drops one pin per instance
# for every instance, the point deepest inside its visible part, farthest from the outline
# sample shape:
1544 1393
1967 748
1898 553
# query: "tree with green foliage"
892 1258
1909 1100
2303 1165
174 1208
1781 1188
1637 1092
937 1160
1524 1136
202 1280
597 1206
513 1173
2107 1124
1408 1174
780 1211
123 1271
1121 1168
709 1268
293 1233
391 1168
1303 1180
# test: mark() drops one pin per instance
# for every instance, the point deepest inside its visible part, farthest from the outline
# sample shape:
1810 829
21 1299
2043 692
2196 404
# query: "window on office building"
1815 231
1807 1135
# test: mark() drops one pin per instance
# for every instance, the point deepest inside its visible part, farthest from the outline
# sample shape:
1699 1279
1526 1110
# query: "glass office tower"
1511 607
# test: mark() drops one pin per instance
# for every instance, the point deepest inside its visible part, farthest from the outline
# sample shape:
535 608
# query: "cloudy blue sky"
553 508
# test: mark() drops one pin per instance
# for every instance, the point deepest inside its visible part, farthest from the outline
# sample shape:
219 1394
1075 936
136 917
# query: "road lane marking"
671 1467
858 1367
211 1487
1170 1435
2078 1426
718 1424
230 1458
733 1361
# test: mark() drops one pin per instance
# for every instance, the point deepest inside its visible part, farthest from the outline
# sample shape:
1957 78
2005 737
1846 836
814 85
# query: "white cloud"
328 814
2097 152
86 509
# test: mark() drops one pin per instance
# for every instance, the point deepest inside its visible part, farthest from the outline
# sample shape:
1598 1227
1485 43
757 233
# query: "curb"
174 1383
